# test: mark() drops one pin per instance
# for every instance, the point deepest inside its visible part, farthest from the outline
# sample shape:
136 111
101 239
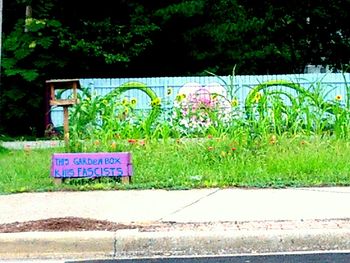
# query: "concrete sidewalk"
20 145
234 221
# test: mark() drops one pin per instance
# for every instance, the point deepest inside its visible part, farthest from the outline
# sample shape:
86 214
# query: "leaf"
30 75
54 23
46 42
8 62
32 45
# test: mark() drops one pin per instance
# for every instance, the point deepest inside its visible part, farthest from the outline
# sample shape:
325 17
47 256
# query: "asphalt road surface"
280 258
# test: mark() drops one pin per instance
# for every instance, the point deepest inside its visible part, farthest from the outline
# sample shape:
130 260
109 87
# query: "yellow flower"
169 91
126 111
180 97
133 102
125 101
338 97
113 145
273 139
257 97
234 102
155 102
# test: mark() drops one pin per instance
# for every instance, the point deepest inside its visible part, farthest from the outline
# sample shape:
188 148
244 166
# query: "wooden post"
64 84
126 179
75 86
66 126
57 181
52 92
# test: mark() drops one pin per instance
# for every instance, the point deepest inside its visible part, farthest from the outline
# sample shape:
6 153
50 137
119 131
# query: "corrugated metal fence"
333 82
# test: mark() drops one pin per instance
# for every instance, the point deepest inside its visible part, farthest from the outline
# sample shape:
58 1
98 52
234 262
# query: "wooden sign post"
64 84
91 165
83 165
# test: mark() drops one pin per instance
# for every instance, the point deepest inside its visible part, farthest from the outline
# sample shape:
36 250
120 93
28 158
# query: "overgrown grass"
197 163
277 138
25 170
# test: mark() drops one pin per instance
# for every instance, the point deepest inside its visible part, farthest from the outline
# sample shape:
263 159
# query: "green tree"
260 37
314 32
75 39
61 39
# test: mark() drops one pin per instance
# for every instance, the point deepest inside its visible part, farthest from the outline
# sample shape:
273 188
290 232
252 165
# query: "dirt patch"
86 224
63 224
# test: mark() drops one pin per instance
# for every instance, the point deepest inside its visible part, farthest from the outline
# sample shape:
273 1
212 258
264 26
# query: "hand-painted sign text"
68 165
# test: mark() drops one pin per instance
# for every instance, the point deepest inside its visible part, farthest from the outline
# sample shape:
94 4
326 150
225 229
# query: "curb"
132 243
32 245
20 145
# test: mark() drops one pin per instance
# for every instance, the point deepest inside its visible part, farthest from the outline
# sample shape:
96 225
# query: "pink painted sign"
91 165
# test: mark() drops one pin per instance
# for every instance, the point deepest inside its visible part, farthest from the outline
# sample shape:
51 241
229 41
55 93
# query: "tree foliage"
75 39
57 42
260 37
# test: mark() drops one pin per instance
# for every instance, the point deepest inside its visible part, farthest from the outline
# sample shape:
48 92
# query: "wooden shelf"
65 102
63 84
62 81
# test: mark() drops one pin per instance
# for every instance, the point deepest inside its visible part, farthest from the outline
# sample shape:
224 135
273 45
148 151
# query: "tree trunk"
29 12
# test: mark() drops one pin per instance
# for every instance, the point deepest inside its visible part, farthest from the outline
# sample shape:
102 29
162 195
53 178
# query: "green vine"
249 101
155 100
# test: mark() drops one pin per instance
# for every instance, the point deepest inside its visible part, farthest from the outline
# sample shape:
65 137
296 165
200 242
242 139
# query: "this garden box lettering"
91 165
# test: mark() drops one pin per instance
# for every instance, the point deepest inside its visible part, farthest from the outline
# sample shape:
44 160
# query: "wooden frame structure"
64 84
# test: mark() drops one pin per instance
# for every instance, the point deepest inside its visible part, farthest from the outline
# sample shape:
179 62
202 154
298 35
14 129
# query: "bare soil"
86 224
62 224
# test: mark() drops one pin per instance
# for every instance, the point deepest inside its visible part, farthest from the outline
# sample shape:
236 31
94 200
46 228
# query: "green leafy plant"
103 119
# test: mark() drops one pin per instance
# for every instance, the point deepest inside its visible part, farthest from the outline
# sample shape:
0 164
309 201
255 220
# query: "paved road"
281 258
325 257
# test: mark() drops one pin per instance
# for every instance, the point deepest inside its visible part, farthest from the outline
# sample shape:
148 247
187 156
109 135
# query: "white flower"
196 103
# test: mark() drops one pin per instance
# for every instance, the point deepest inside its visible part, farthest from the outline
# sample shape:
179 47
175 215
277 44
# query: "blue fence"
335 83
